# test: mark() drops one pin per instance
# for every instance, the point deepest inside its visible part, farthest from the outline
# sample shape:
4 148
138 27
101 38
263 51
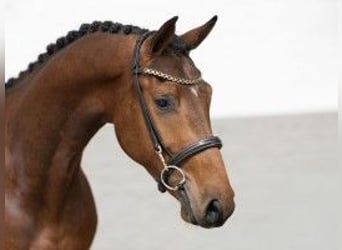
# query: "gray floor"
283 169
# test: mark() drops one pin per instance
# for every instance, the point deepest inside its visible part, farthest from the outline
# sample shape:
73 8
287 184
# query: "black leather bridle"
174 161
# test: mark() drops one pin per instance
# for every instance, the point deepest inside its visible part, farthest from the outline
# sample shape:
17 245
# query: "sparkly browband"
171 78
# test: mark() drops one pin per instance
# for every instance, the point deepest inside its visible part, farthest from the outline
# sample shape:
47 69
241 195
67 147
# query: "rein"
173 164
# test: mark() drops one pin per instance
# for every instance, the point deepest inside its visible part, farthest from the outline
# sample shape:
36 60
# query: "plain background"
263 57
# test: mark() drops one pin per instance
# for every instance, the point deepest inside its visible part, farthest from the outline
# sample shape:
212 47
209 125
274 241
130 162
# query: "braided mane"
107 27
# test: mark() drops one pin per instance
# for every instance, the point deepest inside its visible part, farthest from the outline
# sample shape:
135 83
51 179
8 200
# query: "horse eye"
163 103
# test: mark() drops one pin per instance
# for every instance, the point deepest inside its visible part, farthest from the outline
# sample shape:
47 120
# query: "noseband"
173 164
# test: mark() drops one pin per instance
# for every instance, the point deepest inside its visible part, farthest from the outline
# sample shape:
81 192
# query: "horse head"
166 124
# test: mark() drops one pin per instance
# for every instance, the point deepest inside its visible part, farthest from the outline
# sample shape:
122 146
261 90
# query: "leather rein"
173 164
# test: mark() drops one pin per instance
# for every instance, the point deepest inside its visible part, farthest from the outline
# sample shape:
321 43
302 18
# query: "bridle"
173 164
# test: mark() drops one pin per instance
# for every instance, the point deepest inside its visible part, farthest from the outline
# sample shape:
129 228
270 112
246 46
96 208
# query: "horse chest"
73 228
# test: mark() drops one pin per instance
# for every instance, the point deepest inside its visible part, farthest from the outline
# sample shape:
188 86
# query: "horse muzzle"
213 213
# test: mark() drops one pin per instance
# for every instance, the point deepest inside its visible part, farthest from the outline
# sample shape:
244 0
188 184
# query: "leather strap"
152 131
192 149
186 200
195 148
136 71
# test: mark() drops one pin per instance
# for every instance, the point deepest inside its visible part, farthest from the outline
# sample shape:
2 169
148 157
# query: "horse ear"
161 39
195 37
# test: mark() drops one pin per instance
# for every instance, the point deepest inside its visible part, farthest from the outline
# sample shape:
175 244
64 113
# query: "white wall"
263 57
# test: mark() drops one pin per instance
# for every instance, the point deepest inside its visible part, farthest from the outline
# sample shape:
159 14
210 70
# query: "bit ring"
163 177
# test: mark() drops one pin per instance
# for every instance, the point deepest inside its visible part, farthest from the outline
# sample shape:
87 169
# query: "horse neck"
66 101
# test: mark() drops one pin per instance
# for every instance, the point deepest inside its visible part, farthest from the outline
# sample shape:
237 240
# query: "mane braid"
62 42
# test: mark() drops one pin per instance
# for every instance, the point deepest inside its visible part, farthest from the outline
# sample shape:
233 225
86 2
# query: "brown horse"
146 85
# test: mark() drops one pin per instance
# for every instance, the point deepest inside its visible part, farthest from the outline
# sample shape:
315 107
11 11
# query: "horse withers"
146 85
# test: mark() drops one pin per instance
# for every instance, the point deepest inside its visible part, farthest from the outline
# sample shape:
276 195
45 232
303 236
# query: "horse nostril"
213 214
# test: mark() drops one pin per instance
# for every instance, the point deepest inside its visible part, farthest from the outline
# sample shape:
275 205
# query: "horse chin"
186 216
192 220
